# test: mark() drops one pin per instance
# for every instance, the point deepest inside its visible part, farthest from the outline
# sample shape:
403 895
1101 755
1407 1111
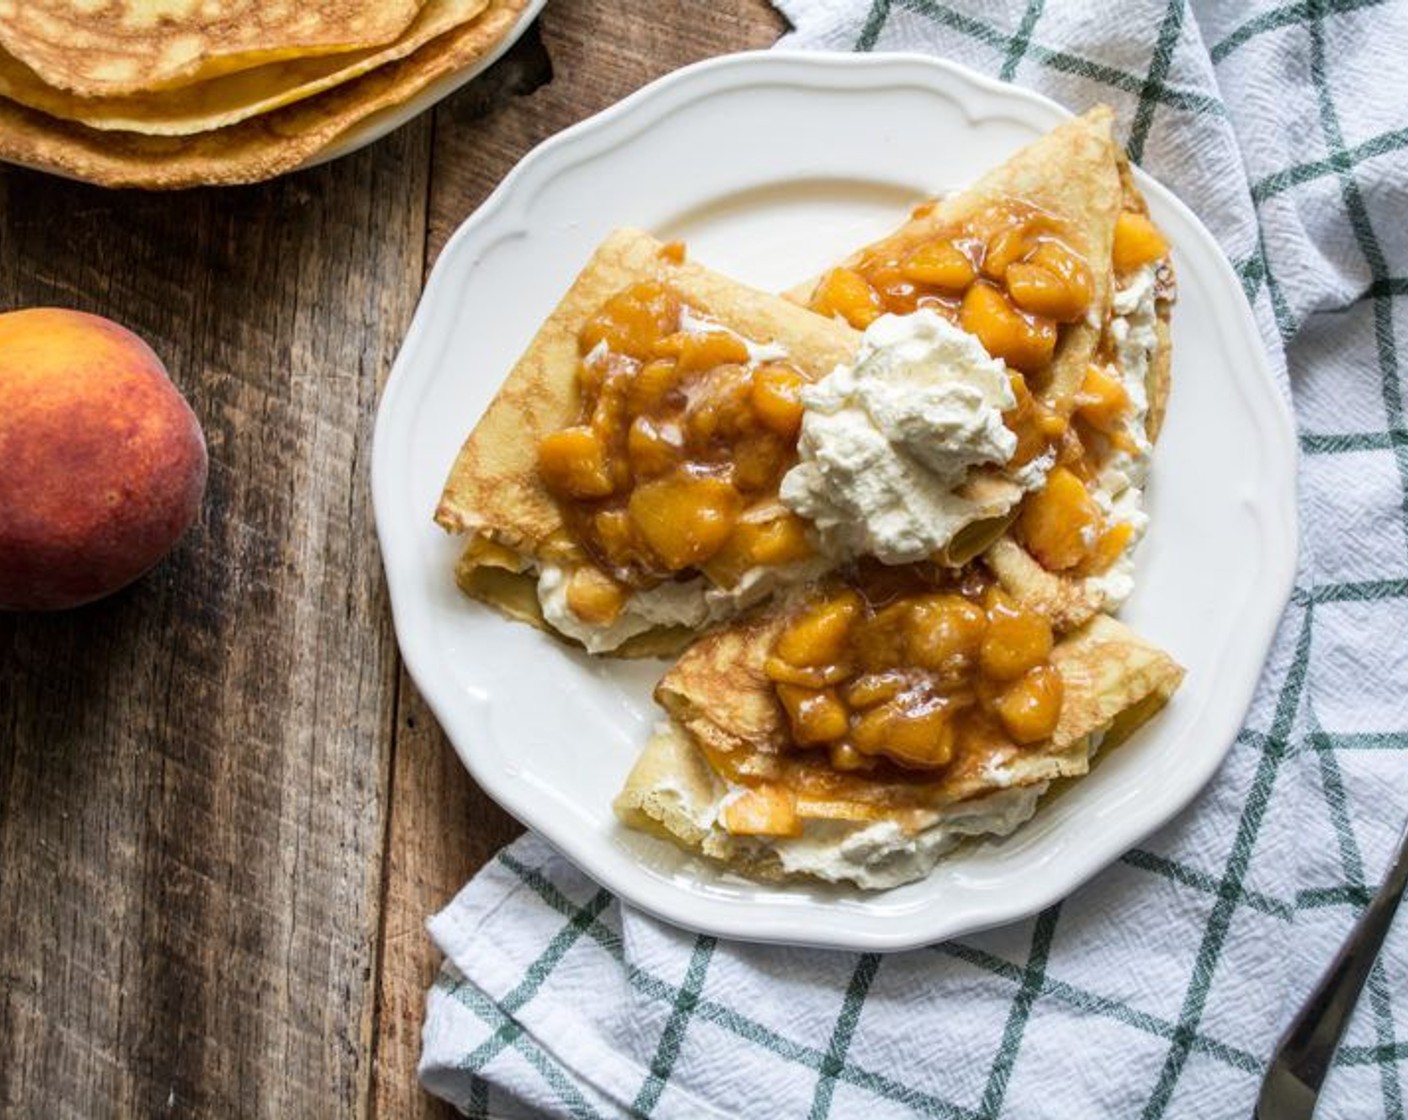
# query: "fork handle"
1309 1044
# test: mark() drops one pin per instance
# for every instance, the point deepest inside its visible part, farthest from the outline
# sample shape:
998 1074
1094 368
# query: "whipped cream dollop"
886 443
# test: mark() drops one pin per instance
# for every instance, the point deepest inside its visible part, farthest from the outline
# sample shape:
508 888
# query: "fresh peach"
104 463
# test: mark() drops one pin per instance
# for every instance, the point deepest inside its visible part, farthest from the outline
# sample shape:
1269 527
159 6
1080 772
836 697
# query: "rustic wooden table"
225 813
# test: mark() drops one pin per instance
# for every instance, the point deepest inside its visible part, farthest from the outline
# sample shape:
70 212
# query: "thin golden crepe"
722 707
229 98
1077 173
494 492
258 148
128 46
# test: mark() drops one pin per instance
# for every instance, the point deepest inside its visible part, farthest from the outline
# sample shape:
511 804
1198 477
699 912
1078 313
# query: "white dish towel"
1160 988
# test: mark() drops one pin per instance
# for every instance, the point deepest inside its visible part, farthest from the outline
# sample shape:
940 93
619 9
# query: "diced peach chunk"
684 518
702 350
1102 401
845 757
1005 247
650 385
1030 707
763 810
945 631
920 736
616 534
1036 288
899 295
1016 639
776 396
573 463
870 689
631 322
1112 543
718 404
594 597
1023 343
940 264
816 714
880 643
805 676
653 448
818 636
844 292
1059 258
1061 522
758 461
759 544
1137 242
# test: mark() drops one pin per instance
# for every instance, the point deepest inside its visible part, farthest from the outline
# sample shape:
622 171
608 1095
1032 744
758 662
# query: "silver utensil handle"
1309 1044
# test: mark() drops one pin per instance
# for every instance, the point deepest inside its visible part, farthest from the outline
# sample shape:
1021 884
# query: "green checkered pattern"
1159 989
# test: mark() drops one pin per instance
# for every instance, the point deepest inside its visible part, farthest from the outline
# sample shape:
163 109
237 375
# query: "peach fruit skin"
102 462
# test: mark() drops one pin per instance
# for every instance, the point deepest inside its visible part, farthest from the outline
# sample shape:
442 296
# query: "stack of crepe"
725 735
148 94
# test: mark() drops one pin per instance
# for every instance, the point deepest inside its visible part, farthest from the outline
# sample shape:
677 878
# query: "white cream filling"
669 604
694 603
1119 487
886 443
882 854
1032 476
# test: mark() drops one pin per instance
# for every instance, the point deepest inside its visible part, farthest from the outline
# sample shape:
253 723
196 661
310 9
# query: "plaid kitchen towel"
1158 990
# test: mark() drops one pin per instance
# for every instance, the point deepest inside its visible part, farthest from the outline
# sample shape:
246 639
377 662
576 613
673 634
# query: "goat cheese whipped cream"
882 854
875 855
694 603
1119 486
886 443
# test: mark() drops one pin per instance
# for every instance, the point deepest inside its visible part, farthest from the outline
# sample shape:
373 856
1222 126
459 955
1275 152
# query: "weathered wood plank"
442 826
193 774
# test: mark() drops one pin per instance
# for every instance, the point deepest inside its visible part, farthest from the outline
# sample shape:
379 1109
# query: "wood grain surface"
225 813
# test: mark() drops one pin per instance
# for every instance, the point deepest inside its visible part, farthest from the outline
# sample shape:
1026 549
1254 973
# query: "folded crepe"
1143 338
495 494
721 762
1077 177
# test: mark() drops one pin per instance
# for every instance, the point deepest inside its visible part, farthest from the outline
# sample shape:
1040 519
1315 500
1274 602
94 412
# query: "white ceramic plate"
374 127
769 166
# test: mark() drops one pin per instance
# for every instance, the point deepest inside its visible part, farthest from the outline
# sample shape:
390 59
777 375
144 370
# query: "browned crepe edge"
227 99
99 52
253 150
